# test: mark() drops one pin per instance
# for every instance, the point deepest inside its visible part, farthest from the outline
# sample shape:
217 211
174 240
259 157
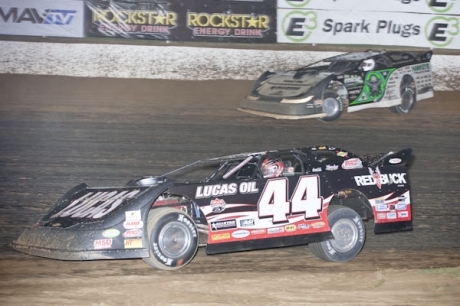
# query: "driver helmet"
272 167
368 65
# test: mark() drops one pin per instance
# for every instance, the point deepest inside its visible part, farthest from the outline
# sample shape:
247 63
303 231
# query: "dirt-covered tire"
349 236
408 97
173 238
332 106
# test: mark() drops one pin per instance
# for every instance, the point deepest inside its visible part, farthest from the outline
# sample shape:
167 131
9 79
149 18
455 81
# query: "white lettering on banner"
305 199
368 27
95 204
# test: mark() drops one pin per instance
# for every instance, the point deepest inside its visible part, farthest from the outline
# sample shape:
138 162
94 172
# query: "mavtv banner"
42 17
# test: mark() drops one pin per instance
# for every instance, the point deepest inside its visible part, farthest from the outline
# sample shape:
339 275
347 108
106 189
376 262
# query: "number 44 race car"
356 80
317 196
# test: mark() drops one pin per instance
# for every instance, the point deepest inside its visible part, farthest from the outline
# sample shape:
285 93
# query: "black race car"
356 80
316 195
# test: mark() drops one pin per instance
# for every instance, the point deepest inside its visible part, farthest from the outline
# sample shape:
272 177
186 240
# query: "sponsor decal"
96 204
381 207
391 215
133 215
133 243
395 160
379 201
111 233
342 154
258 231
290 228
381 216
220 236
352 163
220 190
247 222
133 233
102 244
217 205
133 224
332 167
318 169
377 179
240 234
223 225
275 230
403 214
318 224
216 190
401 206
304 226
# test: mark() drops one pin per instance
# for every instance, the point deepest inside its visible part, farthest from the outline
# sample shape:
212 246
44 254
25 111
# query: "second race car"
356 81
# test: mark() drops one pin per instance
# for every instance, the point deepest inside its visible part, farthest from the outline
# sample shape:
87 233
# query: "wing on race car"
93 223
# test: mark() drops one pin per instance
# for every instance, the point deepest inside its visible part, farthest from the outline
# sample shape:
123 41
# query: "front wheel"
173 238
349 235
332 106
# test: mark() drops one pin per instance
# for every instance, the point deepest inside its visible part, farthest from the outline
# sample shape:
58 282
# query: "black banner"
202 20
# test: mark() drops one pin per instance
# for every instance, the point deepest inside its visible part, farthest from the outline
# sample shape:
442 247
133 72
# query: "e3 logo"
440 6
440 30
297 3
298 25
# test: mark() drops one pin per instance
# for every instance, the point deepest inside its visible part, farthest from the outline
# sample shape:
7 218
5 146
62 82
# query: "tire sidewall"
407 91
155 246
345 213
329 95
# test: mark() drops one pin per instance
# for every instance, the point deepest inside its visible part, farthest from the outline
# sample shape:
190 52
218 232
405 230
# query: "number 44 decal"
305 199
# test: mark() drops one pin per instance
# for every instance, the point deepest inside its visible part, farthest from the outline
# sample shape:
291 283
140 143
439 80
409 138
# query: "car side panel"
274 210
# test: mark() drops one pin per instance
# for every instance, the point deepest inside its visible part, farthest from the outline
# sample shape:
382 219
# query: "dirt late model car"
316 195
356 81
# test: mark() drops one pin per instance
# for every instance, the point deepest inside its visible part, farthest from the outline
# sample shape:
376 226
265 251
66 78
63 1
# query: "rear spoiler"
401 157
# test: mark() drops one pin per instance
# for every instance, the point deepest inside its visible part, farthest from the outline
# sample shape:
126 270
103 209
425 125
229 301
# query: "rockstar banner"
202 20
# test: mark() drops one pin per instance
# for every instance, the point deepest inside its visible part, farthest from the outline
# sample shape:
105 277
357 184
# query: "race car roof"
352 56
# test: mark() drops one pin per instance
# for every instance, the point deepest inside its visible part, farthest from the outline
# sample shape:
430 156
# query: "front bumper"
278 110
68 245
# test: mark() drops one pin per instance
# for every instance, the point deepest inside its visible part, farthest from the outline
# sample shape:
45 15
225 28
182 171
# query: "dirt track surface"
56 132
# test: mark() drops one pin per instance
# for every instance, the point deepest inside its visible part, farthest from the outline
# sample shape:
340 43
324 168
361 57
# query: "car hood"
290 84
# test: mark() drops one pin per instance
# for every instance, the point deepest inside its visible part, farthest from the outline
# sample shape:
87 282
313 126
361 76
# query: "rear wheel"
332 106
349 236
173 238
408 97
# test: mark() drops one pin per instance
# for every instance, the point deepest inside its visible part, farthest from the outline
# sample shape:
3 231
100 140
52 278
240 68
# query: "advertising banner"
143 19
231 21
63 18
211 20
439 7
368 28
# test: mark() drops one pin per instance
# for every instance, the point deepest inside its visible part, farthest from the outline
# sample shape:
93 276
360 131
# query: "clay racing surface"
56 132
